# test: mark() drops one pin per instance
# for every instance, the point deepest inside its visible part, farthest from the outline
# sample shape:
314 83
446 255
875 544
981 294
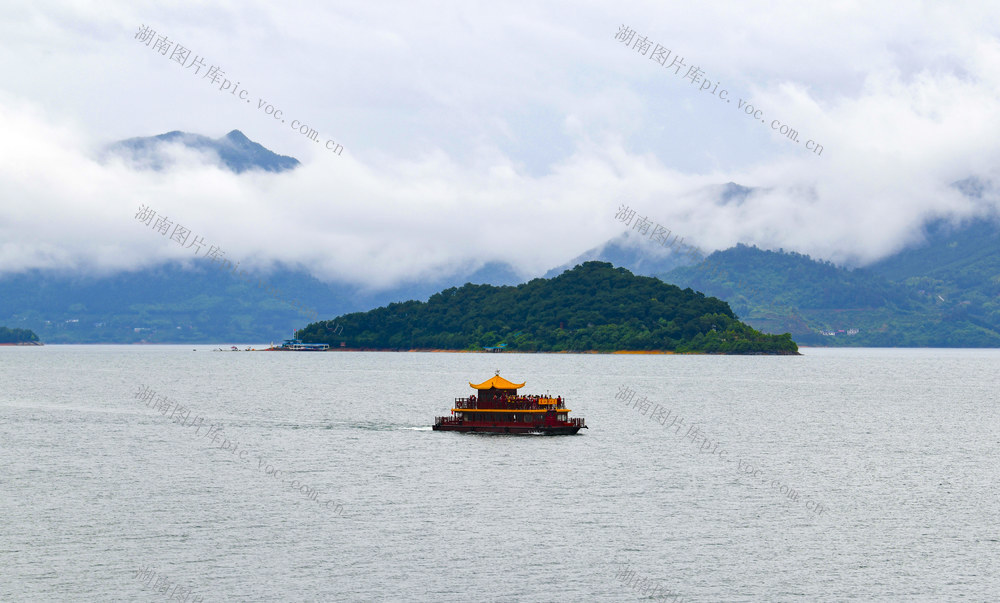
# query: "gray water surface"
847 475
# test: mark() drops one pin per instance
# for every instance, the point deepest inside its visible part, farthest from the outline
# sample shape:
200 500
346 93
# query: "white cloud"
481 132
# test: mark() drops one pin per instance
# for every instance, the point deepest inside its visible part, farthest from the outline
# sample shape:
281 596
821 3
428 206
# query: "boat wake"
389 427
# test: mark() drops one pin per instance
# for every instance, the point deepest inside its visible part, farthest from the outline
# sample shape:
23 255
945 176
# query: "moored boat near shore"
294 345
497 408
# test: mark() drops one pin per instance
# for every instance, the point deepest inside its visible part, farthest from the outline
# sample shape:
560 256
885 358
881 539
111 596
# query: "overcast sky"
478 131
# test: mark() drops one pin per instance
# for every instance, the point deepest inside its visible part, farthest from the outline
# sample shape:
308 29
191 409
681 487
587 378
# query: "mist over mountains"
940 291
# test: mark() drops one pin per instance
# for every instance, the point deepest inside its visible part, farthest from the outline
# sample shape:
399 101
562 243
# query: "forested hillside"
17 335
823 304
593 307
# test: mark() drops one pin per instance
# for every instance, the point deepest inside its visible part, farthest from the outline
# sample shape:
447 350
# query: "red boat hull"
515 428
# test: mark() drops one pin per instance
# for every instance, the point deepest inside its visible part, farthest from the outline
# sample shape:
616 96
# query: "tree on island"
17 335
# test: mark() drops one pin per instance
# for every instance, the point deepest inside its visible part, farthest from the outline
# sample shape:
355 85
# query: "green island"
18 336
594 307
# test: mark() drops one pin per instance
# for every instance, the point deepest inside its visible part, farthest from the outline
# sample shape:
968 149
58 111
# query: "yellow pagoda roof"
497 382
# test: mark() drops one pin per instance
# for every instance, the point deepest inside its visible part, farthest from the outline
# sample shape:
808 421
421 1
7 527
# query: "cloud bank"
481 133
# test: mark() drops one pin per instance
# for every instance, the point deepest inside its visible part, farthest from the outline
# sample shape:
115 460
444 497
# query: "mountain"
641 254
734 194
234 150
631 251
823 304
944 291
959 259
957 266
492 273
593 307
196 302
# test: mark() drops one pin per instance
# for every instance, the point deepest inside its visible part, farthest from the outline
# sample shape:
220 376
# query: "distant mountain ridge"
195 301
628 250
823 304
640 254
947 254
234 150
943 293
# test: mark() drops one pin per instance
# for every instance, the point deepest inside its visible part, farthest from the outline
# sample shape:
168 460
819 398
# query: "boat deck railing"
521 404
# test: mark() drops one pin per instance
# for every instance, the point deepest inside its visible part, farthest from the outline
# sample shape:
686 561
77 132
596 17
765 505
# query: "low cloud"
520 150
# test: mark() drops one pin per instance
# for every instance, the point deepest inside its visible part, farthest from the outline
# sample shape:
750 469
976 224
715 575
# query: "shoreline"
432 350
443 351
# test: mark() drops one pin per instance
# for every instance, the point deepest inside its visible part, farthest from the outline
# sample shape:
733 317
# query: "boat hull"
467 427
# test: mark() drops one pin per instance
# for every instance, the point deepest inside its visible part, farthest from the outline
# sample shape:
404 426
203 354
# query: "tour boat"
498 408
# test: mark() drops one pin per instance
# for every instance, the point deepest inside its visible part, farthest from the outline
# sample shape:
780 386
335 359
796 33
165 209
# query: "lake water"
837 475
